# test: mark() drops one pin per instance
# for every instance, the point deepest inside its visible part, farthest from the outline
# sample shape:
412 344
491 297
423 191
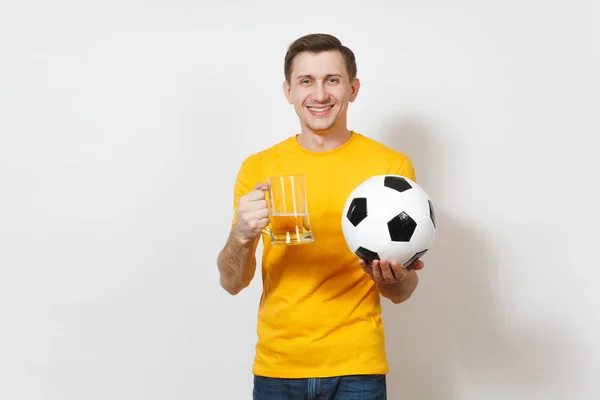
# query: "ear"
287 91
354 88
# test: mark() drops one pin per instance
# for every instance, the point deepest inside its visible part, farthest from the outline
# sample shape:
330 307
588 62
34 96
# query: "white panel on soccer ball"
423 236
373 234
379 202
400 252
413 202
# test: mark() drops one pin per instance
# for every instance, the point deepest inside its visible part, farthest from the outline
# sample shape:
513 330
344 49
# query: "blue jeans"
351 387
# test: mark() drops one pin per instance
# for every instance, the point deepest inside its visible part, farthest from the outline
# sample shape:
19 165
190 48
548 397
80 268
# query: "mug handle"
266 230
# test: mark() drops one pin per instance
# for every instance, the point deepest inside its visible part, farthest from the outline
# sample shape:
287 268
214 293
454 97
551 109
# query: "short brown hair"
316 43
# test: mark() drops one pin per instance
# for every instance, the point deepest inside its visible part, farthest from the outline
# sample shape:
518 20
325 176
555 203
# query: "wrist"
242 239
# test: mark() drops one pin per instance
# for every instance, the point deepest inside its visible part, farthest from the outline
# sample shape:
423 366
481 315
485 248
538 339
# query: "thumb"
261 186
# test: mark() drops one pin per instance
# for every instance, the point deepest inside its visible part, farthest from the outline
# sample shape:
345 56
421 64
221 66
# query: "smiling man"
320 333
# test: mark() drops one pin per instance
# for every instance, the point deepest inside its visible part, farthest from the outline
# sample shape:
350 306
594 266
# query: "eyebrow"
311 77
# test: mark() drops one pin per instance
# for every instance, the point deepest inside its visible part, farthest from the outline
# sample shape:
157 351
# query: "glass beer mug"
288 211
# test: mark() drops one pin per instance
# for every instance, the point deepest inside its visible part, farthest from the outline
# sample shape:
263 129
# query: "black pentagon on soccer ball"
415 257
367 255
357 211
401 227
431 213
397 183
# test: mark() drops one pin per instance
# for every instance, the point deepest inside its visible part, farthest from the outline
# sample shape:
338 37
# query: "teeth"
319 109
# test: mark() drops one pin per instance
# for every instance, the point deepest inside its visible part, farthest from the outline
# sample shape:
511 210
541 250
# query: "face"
320 90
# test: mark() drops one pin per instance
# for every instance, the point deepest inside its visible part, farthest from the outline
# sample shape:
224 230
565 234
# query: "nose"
320 94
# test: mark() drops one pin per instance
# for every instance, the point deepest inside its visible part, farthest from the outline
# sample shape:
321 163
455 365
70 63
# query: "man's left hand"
385 272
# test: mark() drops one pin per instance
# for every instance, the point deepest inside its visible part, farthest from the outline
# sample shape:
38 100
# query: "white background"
123 124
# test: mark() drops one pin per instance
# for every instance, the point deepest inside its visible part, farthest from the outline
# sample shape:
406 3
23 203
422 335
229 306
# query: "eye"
334 80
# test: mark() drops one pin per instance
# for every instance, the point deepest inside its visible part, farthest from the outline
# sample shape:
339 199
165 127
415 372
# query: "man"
320 333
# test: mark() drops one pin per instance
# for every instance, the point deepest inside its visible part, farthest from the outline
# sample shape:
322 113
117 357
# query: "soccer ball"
389 217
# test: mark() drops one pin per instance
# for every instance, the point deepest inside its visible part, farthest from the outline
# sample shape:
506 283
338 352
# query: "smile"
319 110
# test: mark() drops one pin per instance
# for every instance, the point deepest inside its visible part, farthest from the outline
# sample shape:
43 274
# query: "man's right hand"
252 214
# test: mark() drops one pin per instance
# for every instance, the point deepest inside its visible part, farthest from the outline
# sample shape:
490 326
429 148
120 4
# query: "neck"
327 141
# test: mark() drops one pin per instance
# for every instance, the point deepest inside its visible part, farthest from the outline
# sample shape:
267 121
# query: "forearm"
236 262
401 291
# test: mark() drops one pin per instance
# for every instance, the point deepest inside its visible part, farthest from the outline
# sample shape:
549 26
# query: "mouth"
320 111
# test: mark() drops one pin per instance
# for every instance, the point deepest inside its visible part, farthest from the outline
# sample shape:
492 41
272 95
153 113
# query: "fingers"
367 268
255 199
261 223
383 271
255 195
377 271
251 217
416 265
253 211
257 214
252 224
398 271
373 270
261 186
248 205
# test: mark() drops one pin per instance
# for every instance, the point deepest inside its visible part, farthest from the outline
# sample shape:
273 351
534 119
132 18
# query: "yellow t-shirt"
320 313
